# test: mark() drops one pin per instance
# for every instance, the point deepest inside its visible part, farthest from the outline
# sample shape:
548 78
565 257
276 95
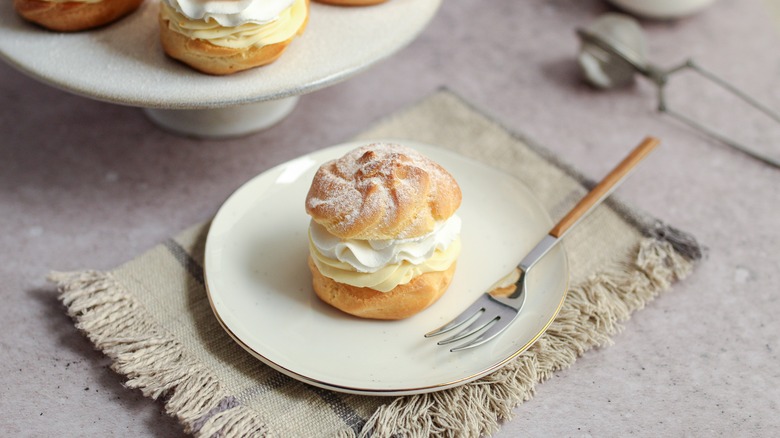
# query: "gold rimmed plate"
260 287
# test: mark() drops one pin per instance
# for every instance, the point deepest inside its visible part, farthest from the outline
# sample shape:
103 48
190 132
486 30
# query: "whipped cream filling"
384 264
373 255
231 13
388 277
244 34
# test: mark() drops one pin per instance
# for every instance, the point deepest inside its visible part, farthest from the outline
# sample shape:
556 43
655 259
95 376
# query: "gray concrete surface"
86 184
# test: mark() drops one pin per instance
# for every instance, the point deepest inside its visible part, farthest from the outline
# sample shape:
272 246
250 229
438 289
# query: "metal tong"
613 51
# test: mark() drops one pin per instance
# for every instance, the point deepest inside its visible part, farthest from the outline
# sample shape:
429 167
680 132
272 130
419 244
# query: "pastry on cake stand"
124 64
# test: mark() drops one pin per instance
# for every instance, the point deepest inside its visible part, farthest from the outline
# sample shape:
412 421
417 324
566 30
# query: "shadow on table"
69 338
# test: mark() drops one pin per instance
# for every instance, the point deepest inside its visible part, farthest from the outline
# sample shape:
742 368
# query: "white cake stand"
124 63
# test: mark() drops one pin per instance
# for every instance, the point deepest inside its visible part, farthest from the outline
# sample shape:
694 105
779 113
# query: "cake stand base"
225 122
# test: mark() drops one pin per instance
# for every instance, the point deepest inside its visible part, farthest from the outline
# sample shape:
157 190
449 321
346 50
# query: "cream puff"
74 15
221 37
383 235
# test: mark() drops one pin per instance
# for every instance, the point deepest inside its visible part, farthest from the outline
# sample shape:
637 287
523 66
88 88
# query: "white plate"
124 62
260 286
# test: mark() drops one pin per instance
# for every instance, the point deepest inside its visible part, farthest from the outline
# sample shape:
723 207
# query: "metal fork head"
489 316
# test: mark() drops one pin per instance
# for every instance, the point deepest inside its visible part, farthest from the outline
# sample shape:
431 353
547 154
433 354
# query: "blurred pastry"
74 15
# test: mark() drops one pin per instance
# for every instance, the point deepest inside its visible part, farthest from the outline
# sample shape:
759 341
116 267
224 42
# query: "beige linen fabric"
152 316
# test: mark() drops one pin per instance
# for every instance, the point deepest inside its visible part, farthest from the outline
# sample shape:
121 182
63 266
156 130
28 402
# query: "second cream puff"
221 37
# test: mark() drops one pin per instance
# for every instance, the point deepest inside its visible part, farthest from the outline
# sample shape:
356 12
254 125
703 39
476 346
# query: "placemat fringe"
152 361
684 243
238 422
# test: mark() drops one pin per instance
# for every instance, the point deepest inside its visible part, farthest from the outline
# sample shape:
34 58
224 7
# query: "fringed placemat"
151 315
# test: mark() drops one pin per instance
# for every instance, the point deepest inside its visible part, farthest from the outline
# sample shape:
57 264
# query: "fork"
492 314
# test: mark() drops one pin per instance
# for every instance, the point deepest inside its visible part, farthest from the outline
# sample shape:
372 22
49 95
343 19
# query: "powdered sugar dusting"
380 189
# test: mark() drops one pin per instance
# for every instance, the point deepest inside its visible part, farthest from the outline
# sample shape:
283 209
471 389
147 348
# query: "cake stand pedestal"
232 121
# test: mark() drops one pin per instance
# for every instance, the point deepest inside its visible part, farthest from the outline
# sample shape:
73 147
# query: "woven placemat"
151 315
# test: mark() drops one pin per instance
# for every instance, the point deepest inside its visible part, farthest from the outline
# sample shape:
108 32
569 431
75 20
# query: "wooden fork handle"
605 187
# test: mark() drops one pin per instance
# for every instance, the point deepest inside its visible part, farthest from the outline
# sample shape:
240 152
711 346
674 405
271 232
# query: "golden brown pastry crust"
352 2
380 192
401 302
216 60
74 16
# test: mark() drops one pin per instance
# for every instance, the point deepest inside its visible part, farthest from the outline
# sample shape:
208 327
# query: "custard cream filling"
388 277
384 264
243 36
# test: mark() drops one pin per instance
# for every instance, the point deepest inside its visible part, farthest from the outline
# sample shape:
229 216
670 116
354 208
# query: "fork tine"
494 330
465 316
484 319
